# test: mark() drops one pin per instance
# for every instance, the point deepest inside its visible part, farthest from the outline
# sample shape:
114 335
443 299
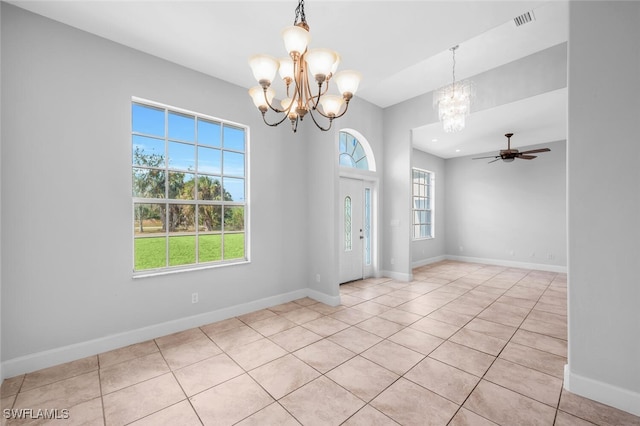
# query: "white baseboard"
428 261
398 276
49 358
510 263
604 393
324 298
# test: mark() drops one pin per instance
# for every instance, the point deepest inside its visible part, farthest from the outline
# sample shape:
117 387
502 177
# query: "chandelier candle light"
298 71
453 101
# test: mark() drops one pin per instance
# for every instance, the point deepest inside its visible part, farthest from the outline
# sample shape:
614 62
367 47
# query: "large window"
189 188
422 203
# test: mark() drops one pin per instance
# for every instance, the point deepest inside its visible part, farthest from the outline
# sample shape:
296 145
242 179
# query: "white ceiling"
401 47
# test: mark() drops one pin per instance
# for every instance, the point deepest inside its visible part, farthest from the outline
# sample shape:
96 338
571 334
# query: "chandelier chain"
453 72
300 13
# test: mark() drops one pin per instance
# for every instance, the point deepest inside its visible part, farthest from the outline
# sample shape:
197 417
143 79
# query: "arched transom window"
355 151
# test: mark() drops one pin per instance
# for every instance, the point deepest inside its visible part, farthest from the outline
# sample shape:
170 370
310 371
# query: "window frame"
167 168
429 199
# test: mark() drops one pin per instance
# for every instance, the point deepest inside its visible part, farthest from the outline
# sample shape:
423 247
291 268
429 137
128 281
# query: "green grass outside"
150 252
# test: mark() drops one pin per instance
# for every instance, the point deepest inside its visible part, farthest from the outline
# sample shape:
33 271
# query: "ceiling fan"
509 154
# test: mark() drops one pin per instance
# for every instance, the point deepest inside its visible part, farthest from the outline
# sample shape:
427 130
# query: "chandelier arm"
316 122
315 100
346 107
274 124
271 107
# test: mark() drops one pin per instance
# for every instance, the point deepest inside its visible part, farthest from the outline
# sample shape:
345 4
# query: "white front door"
352 233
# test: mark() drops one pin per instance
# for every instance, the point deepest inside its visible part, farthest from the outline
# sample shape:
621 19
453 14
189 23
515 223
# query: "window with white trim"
189 189
352 153
422 203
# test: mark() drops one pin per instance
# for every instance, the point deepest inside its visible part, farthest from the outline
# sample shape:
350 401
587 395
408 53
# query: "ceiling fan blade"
493 161
533 151
527 157
482 158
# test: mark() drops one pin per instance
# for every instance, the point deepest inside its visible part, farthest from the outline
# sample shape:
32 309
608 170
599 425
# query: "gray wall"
604 202
538 73
323 190
513 212
66 192
427 250
67 282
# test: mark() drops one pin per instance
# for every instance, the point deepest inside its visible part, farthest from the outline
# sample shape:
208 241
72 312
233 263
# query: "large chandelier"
453 101
298 71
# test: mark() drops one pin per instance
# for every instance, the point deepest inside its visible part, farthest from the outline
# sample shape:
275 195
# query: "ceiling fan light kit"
298 71
509 154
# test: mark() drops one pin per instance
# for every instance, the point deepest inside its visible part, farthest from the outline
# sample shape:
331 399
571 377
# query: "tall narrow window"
367 226
422 203
189 188
348 234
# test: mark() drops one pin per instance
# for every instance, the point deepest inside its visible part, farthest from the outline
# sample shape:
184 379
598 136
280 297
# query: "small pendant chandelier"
298 71
453 101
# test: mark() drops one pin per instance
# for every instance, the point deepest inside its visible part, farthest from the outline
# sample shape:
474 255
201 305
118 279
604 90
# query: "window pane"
148 218
233 163
181 218
362 163
181 186
209 160
182 250
150 253
147 151
182 127
233 218
148 183
343 142
209 247
422 216
147 120
182 156
210 218
358 152
346 160
348 243
208 133
209 188
234 246
351 146
367 226
233 189
233 138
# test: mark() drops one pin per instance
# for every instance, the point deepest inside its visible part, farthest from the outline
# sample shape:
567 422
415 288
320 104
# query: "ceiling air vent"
525 18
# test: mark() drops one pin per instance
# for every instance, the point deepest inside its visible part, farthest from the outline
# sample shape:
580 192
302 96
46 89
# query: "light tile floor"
463 344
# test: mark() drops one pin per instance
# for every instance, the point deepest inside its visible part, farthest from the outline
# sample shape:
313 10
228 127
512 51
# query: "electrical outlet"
194 297
550 256
461 249
317 278
393 261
